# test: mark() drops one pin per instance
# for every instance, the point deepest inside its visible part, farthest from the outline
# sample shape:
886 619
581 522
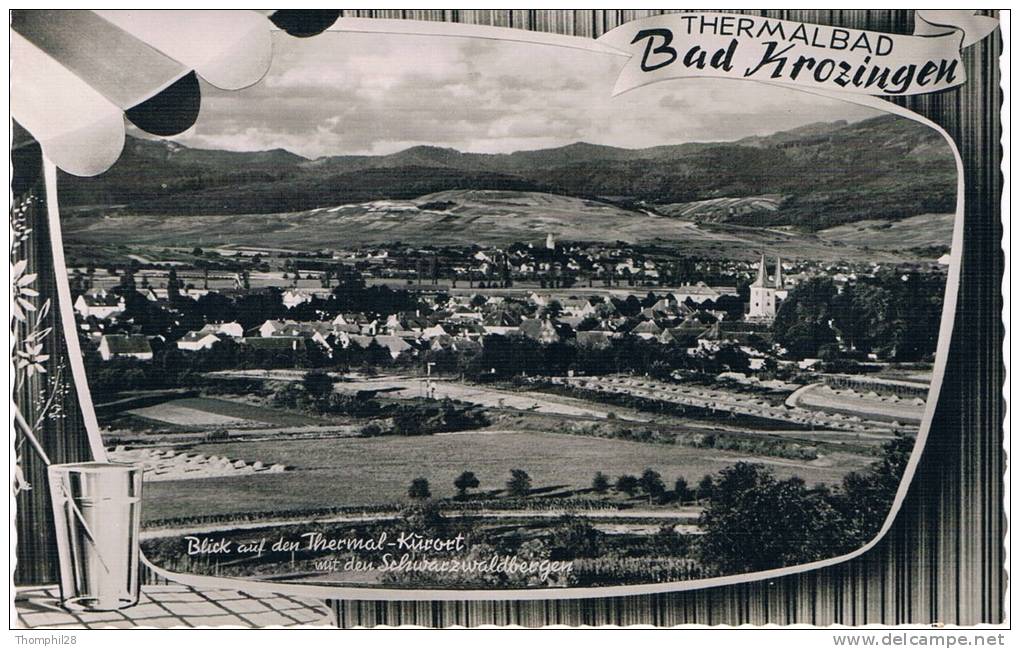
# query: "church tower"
763 296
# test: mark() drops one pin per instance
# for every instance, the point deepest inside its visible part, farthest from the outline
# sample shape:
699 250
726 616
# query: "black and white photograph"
365 299
447 311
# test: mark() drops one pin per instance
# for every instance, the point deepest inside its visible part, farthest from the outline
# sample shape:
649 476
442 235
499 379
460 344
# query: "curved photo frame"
414 593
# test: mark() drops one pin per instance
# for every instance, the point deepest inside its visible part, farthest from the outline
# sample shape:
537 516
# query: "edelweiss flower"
31 359
21 291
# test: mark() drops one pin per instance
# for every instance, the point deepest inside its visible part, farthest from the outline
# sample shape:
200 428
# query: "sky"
351 93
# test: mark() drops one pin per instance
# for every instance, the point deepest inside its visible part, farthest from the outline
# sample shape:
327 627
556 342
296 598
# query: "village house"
125 346
647 330
543 330
293 297
688 332
355 322
357 340
469 330
594 339
582 310
99 304
571 321
318 332
407 335
194 341
274 327
496 330
395 345
273 343
701 292
398 324
232 329
370 328
501 318
162 294
460 345
465 313
346 328
538 300
434 331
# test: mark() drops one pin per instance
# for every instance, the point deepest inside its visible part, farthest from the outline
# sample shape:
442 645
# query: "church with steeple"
766 293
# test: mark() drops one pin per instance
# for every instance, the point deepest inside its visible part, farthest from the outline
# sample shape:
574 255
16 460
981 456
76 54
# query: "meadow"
486 218
360 471
203 411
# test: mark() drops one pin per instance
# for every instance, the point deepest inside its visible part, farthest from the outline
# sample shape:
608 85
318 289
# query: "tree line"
751 520
894 315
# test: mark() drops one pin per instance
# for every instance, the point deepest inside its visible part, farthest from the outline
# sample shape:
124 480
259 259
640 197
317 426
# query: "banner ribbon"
821 57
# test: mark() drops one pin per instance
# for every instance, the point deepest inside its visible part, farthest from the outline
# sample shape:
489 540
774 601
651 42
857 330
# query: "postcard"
312 307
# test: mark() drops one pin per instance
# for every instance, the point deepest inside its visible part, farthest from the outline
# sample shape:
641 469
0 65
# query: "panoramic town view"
568 366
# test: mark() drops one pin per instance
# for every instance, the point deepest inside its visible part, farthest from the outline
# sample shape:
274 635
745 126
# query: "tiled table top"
172 605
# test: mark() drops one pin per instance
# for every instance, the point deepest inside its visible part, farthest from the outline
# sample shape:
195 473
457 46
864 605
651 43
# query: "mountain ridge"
824 173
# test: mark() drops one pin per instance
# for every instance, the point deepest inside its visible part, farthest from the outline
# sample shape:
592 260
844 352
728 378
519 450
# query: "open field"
341 472
914 232
177 414
202 411
410 387
478 217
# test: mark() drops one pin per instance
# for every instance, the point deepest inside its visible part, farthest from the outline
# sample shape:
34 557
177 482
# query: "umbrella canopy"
75 74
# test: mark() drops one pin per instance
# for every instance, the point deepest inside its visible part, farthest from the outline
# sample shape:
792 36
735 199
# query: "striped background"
942 561
63 438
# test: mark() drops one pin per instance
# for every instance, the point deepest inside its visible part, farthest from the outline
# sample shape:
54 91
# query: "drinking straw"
30 436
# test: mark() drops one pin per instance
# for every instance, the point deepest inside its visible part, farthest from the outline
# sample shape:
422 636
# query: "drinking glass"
97 513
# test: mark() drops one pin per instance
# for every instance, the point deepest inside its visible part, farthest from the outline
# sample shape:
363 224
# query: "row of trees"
651 485
518 486
173 368
315 393
503 357
500 358
250 309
